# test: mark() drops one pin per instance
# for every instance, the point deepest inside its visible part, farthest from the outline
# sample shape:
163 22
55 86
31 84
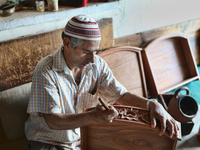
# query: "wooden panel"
19 57
126 65
106 28
126 134
168 63
132 40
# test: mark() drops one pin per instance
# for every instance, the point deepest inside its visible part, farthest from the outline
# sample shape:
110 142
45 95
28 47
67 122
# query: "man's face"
83 54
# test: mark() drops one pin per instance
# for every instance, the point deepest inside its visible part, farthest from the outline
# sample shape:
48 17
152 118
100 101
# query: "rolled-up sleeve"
110 89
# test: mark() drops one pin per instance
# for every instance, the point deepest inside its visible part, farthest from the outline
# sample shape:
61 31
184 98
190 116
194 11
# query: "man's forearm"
60 121
130 99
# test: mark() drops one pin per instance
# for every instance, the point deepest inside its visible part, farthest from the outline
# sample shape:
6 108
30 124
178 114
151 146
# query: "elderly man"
70 80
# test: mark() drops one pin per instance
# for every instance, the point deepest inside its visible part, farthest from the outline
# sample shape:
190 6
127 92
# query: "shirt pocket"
87 100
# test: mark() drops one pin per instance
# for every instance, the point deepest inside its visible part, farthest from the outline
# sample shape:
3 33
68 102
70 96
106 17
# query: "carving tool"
103 103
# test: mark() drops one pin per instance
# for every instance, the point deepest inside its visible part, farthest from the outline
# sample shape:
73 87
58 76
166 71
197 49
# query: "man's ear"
67 43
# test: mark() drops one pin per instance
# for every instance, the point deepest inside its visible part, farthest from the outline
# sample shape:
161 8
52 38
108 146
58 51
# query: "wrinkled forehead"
91 45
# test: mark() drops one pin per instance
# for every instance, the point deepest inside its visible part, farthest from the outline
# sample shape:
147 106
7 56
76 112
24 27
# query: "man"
69 81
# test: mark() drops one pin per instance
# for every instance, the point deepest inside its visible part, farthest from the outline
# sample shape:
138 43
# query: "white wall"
140 15
129 17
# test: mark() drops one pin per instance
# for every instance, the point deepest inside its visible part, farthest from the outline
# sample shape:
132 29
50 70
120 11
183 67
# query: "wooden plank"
132 40
20 57
106 29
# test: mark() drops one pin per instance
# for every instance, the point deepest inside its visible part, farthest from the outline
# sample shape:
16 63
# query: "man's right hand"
105 116
65 121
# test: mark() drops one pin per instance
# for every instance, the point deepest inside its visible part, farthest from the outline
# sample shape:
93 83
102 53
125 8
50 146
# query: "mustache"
87 62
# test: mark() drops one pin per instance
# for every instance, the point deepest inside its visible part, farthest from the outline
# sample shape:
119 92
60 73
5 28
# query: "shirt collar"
59 63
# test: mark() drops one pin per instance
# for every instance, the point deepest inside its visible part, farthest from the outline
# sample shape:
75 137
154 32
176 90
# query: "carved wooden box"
131 130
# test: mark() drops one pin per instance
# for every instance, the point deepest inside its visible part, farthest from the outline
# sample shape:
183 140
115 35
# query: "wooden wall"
19 57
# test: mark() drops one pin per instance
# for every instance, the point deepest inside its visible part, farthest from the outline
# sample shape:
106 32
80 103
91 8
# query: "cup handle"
180 89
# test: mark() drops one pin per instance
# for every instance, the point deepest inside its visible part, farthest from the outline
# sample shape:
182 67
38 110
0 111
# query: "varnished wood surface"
125 135
127 67
168 63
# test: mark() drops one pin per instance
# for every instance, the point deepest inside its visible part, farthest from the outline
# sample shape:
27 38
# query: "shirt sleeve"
44 94
110 89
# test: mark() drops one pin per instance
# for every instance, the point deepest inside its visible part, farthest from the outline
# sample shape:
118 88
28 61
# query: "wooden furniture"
133 131
126 65
168 63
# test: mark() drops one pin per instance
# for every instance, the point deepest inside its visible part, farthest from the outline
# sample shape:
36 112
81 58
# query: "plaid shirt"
54 90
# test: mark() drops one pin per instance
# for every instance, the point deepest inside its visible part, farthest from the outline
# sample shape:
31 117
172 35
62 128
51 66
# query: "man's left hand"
167 122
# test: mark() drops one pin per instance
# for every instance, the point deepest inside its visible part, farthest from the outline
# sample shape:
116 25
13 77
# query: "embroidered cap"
83 27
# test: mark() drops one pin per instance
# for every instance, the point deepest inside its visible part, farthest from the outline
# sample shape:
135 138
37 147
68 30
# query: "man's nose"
92 57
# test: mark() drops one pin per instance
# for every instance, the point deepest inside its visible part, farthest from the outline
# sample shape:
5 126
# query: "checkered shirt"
54 90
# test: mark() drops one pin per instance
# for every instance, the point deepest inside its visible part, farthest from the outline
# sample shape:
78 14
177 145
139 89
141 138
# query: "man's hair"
75 41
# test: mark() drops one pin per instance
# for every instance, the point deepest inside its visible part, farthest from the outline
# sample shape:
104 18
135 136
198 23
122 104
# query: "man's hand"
65 121
105 116
167 122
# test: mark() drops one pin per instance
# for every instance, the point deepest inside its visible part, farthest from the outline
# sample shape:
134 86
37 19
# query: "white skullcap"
83 27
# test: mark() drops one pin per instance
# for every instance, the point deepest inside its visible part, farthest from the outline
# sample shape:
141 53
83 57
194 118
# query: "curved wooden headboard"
126 65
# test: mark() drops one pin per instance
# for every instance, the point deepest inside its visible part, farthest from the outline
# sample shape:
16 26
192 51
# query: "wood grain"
125 135
168 63
127 67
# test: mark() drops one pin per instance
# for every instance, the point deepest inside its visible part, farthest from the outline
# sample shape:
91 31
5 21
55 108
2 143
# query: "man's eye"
86 52
97 52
